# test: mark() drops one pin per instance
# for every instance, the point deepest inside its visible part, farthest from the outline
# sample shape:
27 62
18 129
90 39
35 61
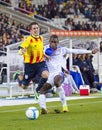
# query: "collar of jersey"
36 36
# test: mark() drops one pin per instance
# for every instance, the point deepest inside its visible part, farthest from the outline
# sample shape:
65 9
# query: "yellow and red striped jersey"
34 46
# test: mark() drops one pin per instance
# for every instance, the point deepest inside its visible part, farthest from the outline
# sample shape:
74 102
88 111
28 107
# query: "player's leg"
58 79
43 72
42 97
29 73
24 80
18 76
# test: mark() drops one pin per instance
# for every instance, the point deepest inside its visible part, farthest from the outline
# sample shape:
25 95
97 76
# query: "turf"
84 114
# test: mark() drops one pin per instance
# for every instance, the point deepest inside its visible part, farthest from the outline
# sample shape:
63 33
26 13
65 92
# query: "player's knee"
24 86
45 74
45 88
58 80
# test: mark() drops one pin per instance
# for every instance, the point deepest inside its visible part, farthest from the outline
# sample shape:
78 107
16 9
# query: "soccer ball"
32 113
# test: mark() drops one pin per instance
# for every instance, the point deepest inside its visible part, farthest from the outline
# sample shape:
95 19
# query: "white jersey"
56 62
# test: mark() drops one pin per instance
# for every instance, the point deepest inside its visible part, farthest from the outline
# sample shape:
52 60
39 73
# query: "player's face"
54 43
35 30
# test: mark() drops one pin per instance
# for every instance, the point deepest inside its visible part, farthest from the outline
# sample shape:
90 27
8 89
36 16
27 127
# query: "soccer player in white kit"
55 52
56 77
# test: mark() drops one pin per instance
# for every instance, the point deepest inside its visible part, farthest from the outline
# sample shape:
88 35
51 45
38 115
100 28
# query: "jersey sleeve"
76 51
66 50
25 43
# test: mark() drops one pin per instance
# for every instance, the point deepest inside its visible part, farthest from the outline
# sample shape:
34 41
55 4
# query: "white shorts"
51 77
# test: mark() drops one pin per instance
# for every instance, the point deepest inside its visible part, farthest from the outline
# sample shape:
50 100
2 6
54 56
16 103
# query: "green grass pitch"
84 114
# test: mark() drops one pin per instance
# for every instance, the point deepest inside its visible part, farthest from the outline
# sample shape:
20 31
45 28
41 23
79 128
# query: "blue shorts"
33 70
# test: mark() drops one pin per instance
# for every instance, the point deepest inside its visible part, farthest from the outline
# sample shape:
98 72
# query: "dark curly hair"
53 37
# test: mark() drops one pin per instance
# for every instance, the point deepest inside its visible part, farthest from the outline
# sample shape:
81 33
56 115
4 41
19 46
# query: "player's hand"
66 71
21 51
47 57
24 50
94 51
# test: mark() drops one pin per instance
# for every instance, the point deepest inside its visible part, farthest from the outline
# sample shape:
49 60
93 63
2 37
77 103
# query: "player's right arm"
22 51
23 47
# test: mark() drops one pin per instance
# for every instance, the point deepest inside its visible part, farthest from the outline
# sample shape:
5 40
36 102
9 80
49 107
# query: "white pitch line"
13 102
81 103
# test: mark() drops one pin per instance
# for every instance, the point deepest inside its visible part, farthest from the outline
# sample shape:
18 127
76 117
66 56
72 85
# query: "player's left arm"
77 51
47 57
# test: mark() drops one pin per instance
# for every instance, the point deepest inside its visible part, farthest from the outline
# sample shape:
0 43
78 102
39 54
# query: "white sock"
61 93
42 101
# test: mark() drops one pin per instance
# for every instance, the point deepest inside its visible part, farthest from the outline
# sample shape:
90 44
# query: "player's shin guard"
61 93
41 82
42 104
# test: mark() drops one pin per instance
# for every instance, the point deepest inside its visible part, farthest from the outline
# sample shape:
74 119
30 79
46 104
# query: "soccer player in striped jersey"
34 58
